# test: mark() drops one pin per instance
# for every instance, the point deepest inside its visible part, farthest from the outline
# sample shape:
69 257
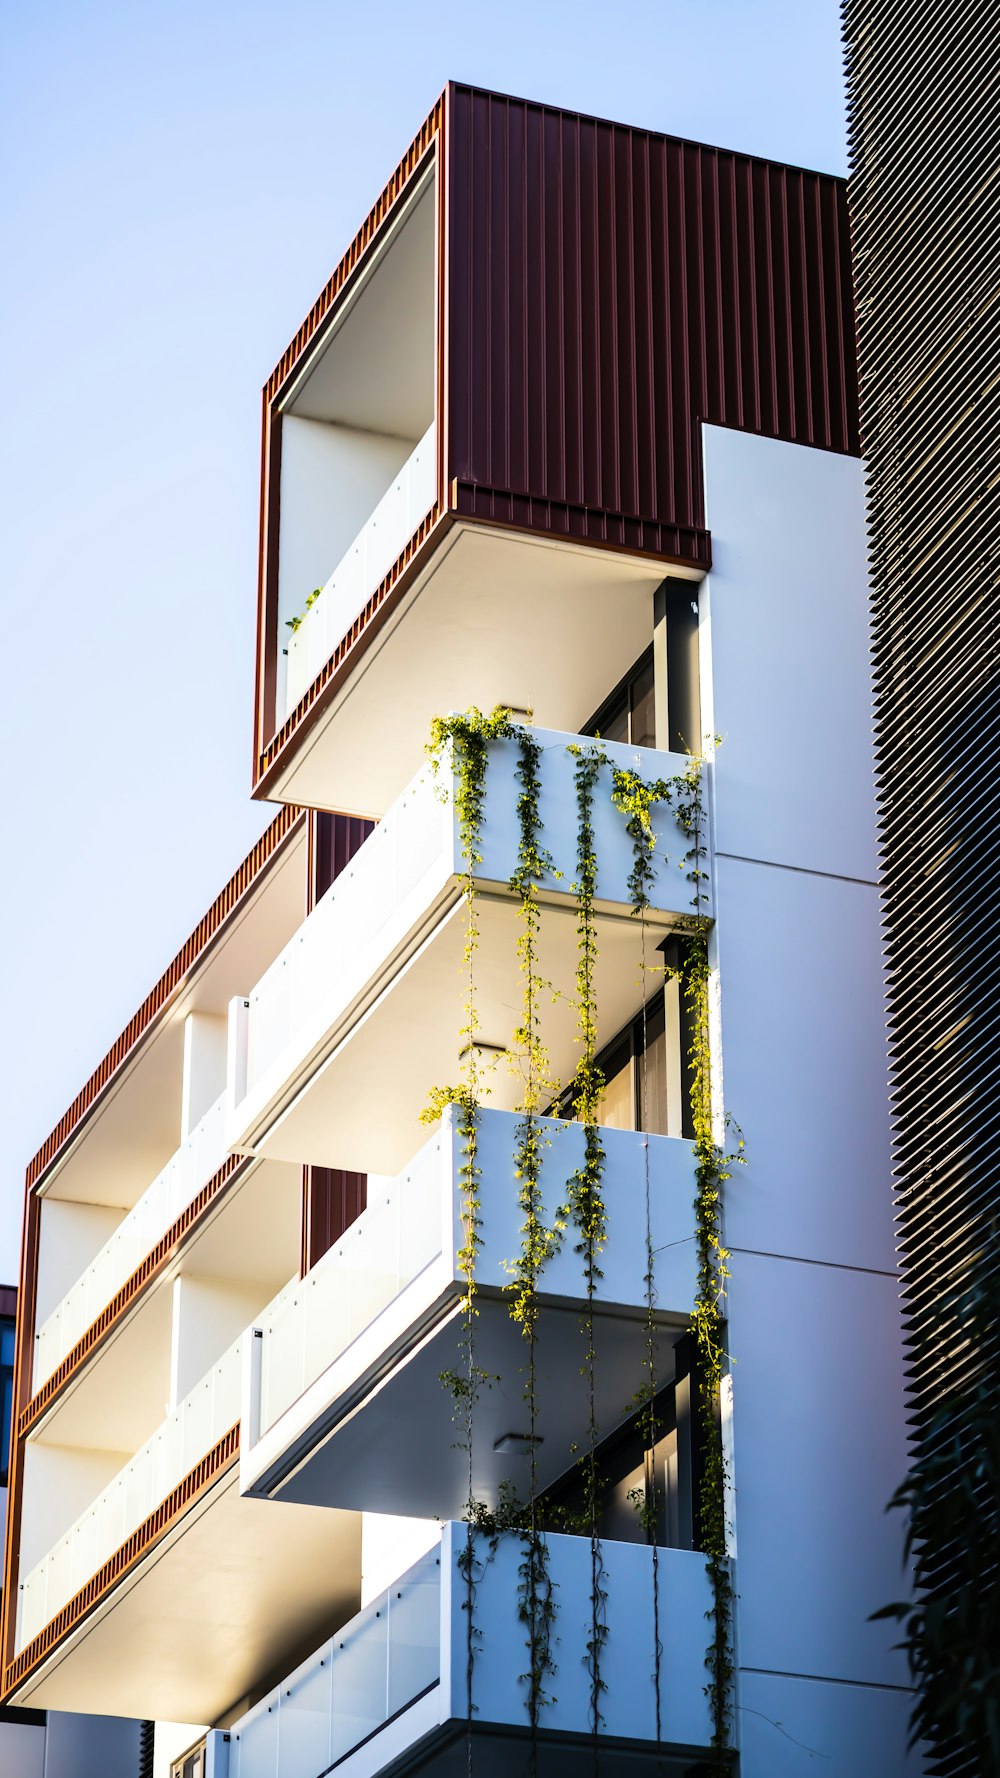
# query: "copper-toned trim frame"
362 631
177 1503
169 985
410 164
134 1287
410 168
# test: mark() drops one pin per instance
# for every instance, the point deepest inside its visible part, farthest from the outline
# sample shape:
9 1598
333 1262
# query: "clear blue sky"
178 179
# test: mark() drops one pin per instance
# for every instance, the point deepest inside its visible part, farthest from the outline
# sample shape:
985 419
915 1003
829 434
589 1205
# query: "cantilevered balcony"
389 1692
347 1362
167 1540
522 565
136 1236
326 619
361 1015
177 1446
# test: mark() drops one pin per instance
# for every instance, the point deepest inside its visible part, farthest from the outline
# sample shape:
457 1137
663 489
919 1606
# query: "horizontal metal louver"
924 197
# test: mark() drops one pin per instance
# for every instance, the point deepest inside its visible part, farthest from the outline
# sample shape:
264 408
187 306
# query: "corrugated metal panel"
607 289
610 288
336 1199
331 1198
334 839
925 140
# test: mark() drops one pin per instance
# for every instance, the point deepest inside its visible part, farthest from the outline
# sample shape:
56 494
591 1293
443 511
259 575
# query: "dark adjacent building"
925 141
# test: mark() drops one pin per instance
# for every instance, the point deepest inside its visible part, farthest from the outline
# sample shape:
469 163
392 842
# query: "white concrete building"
571 431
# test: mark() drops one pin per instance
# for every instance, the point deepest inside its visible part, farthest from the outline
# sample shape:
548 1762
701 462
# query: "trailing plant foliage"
636 799
538 1242
712 1168
587 1206
465 741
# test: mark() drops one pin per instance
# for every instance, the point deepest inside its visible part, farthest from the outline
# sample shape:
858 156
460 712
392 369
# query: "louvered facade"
925 147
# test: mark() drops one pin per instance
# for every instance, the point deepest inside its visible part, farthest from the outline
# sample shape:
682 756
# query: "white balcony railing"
395 1676
363 566
175 1448
173 1189
316 1318
384 1299
388 915
377 1664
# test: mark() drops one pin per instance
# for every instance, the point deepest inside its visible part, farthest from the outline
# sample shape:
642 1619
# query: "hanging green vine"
538 1242
635 799
586 1199
464 741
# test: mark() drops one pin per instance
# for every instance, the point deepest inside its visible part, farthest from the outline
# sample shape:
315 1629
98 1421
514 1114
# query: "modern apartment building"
925 135
571 431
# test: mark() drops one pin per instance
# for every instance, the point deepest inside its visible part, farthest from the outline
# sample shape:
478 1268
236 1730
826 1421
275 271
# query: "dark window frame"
631 1035
622 1451
620 702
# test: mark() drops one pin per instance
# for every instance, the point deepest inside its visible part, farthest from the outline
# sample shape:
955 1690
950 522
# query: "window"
629 714
631 1470
643 1072
659 702
190 1764
7 1388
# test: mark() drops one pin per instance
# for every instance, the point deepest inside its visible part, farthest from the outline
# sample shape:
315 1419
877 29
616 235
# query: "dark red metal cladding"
335 839
609 289
335 1199
331 1197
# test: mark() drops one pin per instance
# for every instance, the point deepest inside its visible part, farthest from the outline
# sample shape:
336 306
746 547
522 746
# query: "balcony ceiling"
117 1398
356 1100
397 1450
208 1612
495 618
135 1126
375 370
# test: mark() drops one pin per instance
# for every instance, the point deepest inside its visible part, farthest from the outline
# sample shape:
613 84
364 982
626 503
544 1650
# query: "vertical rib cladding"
609 289
335 839
924 119
331 1198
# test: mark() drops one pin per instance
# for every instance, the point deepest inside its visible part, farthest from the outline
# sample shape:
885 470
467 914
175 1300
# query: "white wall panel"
818 1449
90 1746
793 1727
788 602
803 1050
22 1750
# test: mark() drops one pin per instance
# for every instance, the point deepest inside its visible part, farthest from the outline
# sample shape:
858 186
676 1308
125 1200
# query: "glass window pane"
667 1471
643 701
621 1518
617 1102
614 723
653 1074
